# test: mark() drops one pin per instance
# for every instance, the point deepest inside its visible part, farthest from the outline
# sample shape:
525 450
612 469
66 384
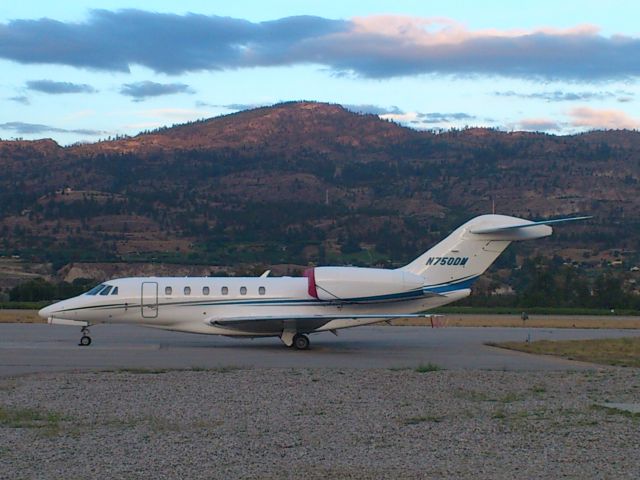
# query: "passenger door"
149 300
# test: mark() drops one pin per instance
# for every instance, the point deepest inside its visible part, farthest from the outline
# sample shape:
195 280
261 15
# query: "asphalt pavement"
30 348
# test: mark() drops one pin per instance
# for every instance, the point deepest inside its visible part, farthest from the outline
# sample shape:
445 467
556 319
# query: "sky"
80 71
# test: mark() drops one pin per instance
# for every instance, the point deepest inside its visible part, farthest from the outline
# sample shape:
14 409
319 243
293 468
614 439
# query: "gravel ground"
319 423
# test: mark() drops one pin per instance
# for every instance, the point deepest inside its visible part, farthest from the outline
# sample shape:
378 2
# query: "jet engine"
356 284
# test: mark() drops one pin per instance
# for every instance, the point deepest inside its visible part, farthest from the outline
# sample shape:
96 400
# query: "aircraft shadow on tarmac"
274 346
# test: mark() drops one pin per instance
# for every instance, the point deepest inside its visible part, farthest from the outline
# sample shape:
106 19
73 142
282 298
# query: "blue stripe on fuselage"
459 284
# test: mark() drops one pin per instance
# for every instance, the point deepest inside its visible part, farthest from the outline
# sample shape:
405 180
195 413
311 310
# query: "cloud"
114 41
52 87
396 114
242 106
436 117
374 109
142 90
538 124
23 99
401 117
427 120
36 128
376 47
557 95
561 96
602 119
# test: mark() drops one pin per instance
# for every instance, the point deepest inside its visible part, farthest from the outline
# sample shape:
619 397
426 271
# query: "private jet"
324 299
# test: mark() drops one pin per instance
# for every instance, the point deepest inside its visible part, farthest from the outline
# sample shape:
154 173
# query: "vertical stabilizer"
465 254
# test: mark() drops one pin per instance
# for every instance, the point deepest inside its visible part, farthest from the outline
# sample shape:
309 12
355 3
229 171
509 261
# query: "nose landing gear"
85 340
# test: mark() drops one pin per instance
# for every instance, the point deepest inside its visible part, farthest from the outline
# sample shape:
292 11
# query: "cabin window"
115 291
168 290
225 291
243 290
95 289
106 290
187 290
262 290
205 290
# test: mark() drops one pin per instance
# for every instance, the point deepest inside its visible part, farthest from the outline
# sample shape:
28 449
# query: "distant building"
504 290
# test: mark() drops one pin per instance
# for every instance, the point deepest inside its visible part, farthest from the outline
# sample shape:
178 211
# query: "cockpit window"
115 291
106 290
95 290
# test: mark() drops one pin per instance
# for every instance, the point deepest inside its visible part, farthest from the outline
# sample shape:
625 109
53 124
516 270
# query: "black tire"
301 342
85 341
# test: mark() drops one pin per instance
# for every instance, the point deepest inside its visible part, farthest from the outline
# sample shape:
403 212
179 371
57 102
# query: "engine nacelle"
362 284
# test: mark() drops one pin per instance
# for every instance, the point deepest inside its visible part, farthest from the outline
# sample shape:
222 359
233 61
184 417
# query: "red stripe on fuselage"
311 277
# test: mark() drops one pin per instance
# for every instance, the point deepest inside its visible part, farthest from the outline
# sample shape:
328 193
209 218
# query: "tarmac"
33 348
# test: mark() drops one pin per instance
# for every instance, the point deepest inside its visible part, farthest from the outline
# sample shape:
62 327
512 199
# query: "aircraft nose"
46 312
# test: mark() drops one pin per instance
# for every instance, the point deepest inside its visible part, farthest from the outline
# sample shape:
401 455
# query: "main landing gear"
293 339
300 342
85 340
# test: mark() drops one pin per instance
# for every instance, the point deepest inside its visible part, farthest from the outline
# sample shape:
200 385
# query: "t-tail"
456 262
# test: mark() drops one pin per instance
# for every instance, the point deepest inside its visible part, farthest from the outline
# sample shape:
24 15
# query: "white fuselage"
191 304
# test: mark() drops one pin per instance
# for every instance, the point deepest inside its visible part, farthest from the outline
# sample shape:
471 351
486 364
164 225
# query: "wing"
306 323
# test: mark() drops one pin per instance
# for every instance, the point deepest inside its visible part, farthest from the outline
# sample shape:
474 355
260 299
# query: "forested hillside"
304 182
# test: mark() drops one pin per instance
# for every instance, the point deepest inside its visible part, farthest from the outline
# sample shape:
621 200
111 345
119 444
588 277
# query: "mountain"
305 182
282 128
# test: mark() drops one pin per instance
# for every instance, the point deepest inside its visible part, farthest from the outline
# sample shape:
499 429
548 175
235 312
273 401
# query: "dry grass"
28 418
535 321
20 316
608 351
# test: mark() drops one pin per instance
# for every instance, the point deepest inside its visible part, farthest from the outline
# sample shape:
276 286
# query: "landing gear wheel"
85 340
300 342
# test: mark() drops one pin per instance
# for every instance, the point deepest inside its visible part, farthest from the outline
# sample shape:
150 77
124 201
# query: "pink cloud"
602 118
441 31
393 45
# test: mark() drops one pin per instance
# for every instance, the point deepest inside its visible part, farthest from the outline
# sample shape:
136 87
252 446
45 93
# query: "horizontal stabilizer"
498 229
